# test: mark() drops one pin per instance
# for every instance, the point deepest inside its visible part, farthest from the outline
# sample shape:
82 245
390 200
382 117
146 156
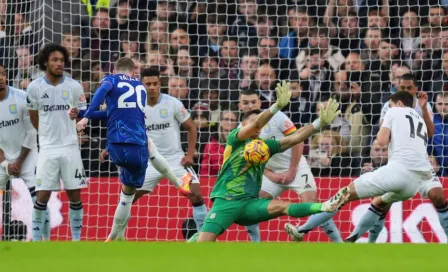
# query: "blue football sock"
315 220
47 228
369 219
443 218
376 229
199 214
76 214
254 232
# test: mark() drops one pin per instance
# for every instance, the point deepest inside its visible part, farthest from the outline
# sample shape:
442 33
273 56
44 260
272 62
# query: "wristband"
317 124
274 108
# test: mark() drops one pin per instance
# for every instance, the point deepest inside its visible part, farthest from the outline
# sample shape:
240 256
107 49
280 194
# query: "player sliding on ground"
235 195
127 143
408 168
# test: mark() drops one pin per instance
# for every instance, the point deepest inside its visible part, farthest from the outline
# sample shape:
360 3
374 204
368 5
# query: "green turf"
229 257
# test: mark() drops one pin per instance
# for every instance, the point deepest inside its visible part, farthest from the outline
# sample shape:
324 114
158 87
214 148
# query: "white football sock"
122 214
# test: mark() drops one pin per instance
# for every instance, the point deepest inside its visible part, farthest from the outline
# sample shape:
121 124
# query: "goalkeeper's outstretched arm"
327 116
283 96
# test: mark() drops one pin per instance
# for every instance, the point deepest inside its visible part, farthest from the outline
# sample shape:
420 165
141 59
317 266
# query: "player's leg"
305 186
74 179
376 229
269 190
195 197
433 190
47 180
133 162
373 215
222 214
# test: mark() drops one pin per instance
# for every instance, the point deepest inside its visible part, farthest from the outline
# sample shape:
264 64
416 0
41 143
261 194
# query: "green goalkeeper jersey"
237 178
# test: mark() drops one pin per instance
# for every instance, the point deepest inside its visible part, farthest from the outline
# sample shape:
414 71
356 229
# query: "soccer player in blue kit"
127 142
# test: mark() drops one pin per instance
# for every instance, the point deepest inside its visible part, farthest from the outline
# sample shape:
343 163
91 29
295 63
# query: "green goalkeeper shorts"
242 212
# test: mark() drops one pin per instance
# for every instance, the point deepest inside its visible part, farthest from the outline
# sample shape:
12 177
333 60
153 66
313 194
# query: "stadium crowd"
210 51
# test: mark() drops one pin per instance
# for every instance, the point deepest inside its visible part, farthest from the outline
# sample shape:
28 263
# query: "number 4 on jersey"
419 130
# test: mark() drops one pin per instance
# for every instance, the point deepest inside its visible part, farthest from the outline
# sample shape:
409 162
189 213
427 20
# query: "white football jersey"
417 108
14 123
56 129
163 124
408 138
277 128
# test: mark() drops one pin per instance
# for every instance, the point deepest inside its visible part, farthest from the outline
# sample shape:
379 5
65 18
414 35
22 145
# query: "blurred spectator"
213 156
210 68
216 28
72 42
318 72
248 67
157 39
437 16
397 71
268 53
177 87
26 71
339 124
299 23
328 156
129 45
179 38
353 63
299 108
409 33
3 7
184 64
372 42
197 20
331 54
378 157
124 17
228 61
211 97
438 144
244 26
103 40
265 81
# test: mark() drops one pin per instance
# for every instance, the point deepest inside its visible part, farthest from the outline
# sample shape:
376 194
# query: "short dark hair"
405 97
72 31
149 72
409 76
102 10
46 51
249 113
249 92
125 63
275 39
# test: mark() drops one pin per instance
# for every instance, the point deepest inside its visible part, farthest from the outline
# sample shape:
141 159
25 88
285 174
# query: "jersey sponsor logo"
13 108
65 95
56 108
163 113
9 123
157 127
45 96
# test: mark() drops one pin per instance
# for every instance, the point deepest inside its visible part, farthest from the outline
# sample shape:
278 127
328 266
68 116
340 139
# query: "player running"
235 194
408 168
432 190
49 99
288 170
18 142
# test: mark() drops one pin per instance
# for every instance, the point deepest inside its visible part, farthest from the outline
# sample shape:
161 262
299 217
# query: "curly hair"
46 51
336 140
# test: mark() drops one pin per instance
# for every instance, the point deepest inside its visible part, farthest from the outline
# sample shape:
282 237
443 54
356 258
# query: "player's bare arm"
327 115
283 96
383 136
34 117
296 154
192 140
423 102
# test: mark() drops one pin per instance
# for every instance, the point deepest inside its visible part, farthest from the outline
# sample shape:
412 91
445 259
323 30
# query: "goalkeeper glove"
283 96
327 114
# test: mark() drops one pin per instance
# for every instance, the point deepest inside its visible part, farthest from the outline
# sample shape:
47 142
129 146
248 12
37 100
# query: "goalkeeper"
235 194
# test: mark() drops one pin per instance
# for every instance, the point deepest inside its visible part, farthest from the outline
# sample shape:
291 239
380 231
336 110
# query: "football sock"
442 212
376 229
199 214
369 219
315 220
303 209
254 232
120 235
332 231
47 227
122 213
76 214
38 220
162 166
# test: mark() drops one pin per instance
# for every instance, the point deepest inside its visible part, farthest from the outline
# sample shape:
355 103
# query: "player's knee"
437 198
43 197
380 204
74 195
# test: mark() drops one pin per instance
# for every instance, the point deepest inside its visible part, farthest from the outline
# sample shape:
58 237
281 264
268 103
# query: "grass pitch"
229 257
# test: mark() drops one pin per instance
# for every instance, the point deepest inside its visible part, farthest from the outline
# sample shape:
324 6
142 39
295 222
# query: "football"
256 152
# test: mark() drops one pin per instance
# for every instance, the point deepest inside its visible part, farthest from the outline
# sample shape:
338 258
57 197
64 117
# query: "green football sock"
303 209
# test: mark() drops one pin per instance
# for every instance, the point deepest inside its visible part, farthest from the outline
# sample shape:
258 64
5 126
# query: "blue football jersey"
125 99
